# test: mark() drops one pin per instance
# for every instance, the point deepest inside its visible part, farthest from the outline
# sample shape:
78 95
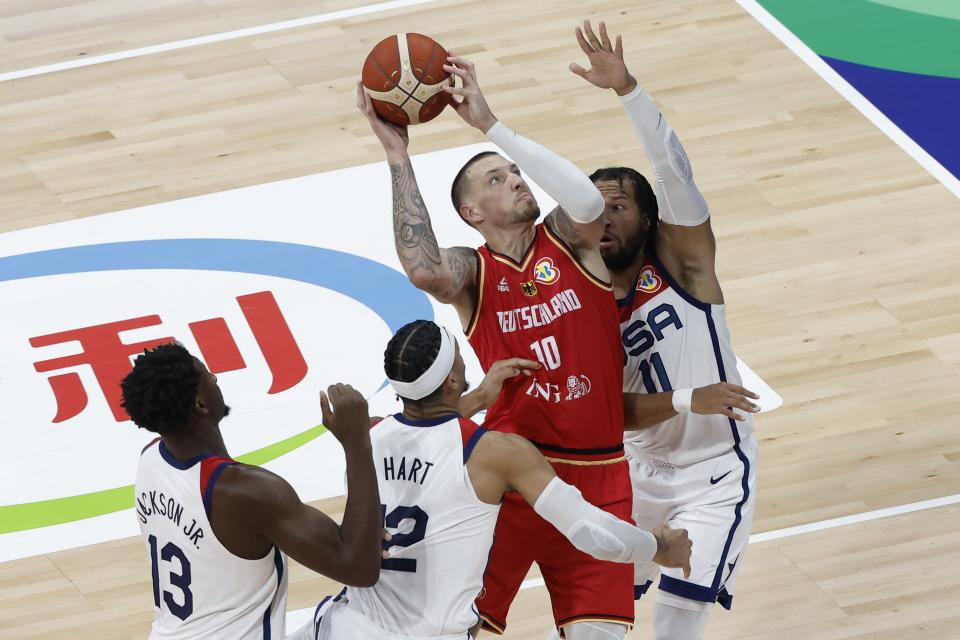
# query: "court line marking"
209 39
854 97
788 532
823 525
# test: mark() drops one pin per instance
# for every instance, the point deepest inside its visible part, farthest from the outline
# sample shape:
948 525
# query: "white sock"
595 631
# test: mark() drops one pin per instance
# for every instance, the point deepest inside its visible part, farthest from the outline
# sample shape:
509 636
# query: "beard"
623 257
527 212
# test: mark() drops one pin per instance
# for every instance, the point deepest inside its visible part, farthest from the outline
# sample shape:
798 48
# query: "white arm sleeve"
678 198
593 530
559 177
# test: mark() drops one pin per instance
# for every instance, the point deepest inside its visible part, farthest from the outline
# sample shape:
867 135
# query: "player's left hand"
673 548
608 70
722 398
471 106
500 372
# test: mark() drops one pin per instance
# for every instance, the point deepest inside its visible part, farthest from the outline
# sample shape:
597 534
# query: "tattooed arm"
449 275
584 237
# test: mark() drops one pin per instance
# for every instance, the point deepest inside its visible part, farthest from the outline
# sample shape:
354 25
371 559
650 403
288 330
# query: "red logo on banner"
109 357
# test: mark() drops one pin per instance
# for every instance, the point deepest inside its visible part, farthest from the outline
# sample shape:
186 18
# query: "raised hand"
471 105
393 138
607 70
348 419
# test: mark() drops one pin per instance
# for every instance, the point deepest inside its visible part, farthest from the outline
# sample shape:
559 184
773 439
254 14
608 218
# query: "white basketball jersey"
442 533
201 590
671 341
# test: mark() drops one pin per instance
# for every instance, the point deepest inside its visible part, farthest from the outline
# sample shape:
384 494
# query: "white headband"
435 374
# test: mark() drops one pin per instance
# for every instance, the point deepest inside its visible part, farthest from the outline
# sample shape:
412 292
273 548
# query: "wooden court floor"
839 255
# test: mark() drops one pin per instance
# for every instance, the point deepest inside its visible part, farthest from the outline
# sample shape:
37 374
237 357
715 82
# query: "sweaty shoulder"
489 466
246 501
498 451
250 486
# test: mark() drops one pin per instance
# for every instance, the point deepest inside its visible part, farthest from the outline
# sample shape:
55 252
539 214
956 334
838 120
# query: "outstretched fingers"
584 45
591 36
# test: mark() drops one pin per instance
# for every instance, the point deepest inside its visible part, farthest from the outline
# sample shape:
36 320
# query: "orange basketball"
404 76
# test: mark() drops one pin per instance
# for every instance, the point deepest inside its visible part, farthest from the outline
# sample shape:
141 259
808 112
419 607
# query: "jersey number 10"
548 353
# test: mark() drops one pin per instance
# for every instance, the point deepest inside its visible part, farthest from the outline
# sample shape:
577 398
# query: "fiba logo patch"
649 282
545 271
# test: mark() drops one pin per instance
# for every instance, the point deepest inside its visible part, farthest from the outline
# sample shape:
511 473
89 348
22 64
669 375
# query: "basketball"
404 76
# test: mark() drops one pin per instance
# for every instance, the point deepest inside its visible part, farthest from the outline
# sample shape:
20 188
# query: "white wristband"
682 399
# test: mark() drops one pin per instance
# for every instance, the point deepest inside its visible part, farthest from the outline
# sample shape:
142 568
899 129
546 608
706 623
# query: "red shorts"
580 586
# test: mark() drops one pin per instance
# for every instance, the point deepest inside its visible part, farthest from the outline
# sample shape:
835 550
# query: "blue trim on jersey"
471 443
278 562
627 300
641 589
688 590
176 462
317 618
208 493
428 422
703 306
743 458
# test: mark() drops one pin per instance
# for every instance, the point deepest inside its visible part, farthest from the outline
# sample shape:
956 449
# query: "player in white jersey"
441 480
217 532
693 464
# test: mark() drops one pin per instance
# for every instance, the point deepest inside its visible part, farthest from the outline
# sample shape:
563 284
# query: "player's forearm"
680 201
474 402
362 525
645 410
559 177
416 244
591 529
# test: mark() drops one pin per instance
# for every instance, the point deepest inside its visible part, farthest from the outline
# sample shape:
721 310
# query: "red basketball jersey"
549 308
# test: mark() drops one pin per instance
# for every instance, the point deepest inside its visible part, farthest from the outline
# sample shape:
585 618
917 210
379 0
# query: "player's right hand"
673 548
394 138
468 100
348 419
721 398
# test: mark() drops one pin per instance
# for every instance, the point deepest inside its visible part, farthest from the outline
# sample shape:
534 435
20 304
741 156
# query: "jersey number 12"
392 520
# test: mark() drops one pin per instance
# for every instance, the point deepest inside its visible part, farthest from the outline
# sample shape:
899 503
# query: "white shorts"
335 620
714 501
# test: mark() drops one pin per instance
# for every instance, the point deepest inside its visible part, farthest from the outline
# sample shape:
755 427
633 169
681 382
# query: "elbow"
588 209
368 577
433 285
420 280
364 573
425 281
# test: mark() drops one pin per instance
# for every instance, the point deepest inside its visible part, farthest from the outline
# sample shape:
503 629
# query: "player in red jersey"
539 289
